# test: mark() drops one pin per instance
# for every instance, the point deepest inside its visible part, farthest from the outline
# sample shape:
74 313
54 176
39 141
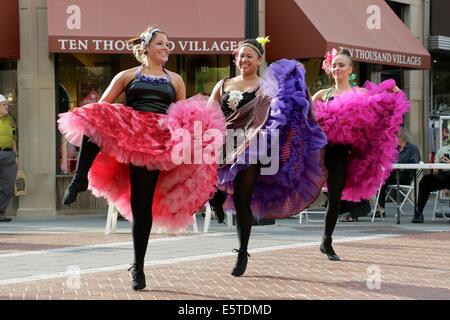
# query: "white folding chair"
208 215
377 199
405 191
315 208
439 195
111 219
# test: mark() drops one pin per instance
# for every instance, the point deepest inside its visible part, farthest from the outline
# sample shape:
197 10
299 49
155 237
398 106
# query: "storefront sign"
385 57
104 26
117 45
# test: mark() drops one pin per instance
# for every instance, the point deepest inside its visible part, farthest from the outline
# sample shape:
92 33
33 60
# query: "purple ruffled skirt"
298 154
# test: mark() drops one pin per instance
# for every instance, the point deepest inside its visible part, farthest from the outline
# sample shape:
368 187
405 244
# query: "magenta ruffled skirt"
369 122
150 139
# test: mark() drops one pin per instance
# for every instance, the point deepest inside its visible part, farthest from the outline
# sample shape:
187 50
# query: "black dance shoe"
418 219
138 277
241 263
76 185
326 248
216 204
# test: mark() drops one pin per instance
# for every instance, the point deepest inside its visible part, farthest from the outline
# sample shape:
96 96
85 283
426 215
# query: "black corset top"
149 93
232 100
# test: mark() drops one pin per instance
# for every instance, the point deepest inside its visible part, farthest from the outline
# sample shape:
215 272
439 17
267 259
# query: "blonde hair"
138 51
345 53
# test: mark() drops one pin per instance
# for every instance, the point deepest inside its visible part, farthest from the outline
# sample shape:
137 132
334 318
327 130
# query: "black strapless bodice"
150 94
246 97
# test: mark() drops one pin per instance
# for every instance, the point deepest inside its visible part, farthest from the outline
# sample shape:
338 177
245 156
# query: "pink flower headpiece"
329 56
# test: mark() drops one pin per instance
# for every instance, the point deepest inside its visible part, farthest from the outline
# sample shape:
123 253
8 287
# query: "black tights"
143 185
244 184
336 164
88 152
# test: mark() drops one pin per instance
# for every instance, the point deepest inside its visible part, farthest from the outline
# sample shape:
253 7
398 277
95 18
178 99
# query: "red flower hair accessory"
329 56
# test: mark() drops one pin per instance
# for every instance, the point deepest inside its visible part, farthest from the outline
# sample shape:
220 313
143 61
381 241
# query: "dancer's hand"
394 89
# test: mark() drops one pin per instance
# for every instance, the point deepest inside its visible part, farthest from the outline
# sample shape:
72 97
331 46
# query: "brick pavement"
413 265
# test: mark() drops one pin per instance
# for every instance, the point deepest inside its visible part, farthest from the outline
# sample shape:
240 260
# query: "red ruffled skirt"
169 143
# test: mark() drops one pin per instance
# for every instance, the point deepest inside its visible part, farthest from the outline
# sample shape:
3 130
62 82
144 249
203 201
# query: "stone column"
36 111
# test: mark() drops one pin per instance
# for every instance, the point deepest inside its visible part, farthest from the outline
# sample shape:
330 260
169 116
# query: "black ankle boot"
241 263
220 214
137 276
326 248
216 203
76 185
418 219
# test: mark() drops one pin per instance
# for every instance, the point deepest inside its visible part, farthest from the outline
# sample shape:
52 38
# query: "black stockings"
336 164
143 185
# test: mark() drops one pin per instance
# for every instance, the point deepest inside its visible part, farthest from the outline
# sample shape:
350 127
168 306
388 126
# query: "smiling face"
248 60
3 108
341 68
158 49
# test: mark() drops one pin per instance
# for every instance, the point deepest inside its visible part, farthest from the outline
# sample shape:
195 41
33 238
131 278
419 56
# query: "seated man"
408 153
433 182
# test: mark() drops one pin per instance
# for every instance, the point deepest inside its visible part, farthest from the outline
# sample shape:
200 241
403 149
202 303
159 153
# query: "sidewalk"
71 258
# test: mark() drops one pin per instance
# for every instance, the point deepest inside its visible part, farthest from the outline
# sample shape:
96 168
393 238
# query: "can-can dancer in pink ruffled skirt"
127 153
361 125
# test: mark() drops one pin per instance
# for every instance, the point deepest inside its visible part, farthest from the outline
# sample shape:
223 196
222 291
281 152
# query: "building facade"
70 52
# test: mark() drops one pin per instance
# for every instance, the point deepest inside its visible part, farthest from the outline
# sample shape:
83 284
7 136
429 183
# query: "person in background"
438 180
8 157
408 153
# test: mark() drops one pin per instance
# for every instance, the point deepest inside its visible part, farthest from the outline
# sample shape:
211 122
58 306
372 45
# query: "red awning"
309 28
9 30
103 26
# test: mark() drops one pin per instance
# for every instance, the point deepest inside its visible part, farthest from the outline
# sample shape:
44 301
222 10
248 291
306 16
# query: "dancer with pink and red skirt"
127 151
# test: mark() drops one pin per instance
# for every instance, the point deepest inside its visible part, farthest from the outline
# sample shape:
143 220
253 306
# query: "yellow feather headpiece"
263 40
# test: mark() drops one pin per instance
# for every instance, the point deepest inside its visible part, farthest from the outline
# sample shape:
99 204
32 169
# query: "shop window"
202 72
441 85
81 79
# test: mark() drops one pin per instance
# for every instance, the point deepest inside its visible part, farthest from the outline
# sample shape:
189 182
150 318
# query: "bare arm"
319 95
179 85
215 95
116 87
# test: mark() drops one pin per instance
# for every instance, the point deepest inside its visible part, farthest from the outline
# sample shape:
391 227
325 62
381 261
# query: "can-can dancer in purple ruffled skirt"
273 154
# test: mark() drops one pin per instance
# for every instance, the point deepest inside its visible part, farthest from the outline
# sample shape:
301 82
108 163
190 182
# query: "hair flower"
329 56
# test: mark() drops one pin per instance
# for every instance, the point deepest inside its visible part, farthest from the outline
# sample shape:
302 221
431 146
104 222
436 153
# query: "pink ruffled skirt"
169 143
369 122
